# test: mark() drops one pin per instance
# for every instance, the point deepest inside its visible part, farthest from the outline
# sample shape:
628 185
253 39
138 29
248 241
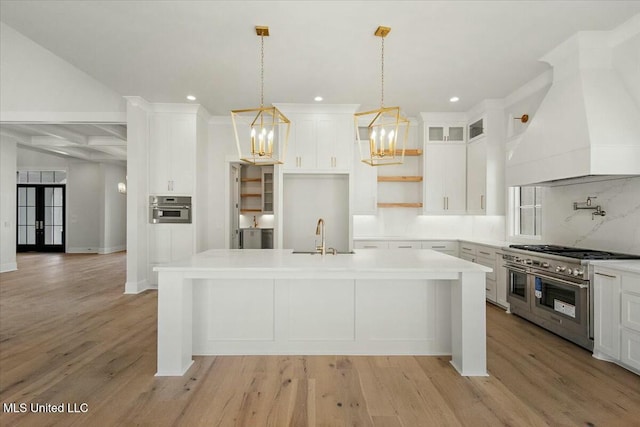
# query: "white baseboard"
9 266
119 248
82 250
136 287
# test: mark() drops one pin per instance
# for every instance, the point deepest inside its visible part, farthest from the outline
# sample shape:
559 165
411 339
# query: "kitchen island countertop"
281 262
371 302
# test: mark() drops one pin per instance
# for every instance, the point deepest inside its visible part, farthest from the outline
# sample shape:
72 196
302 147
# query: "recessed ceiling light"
454 99
191 97
317 98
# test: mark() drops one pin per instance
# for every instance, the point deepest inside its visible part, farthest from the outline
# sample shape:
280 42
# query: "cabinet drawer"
630 347
467 248
405 245
441 246
468 257
491 289
630 282
370 245
630 311
486 252
487 263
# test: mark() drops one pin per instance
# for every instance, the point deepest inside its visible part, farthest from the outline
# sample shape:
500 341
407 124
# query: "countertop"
632 266
383 261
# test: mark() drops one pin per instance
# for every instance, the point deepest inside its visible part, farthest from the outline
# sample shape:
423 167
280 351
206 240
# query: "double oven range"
552 286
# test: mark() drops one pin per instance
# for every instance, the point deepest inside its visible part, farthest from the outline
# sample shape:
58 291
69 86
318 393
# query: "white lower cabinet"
496 280
449 247
168 242
495 286
617 316
630 347
501 282
405 245
371 244
606 304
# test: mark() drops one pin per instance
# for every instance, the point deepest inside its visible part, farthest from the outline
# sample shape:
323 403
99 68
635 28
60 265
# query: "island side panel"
175 322
322 316
404 316
468 324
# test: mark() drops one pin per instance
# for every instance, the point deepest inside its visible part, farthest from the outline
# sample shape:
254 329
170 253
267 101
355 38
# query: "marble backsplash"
618 230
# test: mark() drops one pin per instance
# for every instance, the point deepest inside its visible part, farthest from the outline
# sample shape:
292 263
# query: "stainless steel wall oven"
170 209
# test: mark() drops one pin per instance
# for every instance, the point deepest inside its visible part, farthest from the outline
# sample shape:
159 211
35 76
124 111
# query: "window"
527 212
42 177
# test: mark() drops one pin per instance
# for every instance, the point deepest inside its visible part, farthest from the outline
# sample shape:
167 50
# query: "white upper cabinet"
172 154
444 181
485 164
476 176
447 132
320 142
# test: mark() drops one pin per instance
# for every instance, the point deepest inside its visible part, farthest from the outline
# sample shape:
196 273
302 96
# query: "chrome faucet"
320 232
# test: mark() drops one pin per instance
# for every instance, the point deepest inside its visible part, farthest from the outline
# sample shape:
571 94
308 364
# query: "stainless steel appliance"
170 209
552 287
256 238
251 238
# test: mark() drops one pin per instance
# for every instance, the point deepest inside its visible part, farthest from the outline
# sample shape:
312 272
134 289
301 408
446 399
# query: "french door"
41 218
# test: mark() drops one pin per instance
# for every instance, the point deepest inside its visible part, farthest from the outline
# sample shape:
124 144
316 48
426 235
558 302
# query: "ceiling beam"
117 131
54 131
106 141
67 152
51 141
119 153
18 136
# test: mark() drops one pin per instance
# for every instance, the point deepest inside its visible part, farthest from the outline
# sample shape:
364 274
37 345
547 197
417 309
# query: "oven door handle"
566 282
519 270
171 208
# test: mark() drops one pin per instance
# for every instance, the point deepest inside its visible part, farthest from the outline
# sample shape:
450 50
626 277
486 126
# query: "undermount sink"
318 253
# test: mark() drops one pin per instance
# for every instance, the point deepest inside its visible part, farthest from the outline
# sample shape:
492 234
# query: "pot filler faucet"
322 249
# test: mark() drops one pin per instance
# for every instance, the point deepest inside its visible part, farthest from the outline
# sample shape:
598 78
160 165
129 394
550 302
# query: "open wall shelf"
399 178
399 205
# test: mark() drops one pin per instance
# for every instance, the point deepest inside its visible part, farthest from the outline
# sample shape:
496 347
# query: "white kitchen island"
372 302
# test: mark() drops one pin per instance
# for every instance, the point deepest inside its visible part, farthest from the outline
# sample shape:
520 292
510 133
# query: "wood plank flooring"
69 335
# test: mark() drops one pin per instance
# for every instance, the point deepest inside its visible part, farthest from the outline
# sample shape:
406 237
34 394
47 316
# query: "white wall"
220 151
84 203
39 86
201 196
137 192
308 197
113 210
95 211
37 160
626 57
8 158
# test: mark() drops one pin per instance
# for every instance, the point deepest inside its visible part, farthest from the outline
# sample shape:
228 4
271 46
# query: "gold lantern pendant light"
262 128
387 129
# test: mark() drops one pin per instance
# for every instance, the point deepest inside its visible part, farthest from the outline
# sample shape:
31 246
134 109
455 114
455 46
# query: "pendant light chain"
261 71
382 74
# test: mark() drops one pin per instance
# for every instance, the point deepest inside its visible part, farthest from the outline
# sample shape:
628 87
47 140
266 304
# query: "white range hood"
588 125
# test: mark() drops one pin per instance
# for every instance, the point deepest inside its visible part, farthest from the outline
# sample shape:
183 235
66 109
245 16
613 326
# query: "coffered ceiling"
165 50
93 142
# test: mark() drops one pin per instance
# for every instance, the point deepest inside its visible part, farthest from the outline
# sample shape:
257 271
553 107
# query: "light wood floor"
69 335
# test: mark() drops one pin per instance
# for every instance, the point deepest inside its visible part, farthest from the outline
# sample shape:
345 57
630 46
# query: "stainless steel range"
552 287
